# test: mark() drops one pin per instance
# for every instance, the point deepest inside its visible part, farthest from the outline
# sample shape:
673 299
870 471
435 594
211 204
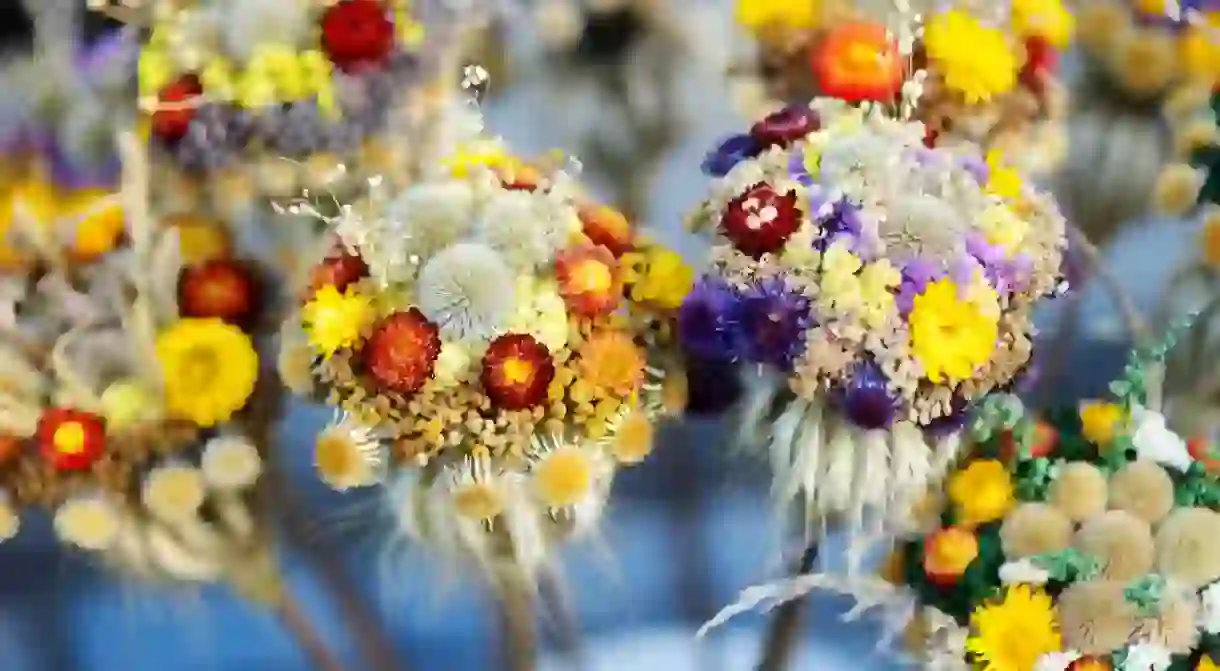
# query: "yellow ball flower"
155 70
981 492
950 337
974 60
334 320
209 369
1100 421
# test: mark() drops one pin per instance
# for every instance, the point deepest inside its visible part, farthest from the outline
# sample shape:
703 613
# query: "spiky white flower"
88 522
528 228
349 455
468 291
174 492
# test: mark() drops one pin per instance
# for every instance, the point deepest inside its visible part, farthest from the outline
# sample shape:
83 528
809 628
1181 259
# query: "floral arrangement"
993 85
1086 535
272 96
1147 49
496 344
122 417
880 289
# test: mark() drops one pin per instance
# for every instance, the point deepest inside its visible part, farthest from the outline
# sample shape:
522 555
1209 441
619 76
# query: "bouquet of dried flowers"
990 82
874 290
253 99
496 345
1082 539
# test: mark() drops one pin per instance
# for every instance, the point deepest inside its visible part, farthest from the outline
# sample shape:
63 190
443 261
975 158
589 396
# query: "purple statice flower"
729 153
1006 275
79 172
774 319
709 319
797 169
977 168
842 222
866 398
917 274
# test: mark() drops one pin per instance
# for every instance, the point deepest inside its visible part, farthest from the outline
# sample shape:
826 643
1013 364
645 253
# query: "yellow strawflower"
1013 633
1047 19
760 16
981 492
334 320
1002 179
976 61
209 369
950 337
657 276
1100 421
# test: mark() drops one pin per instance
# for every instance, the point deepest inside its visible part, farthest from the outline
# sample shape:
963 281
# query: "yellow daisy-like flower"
981 492
657 276
1199 52
1011 634
759 16
974 60
1047 19
209 369
334 320
1100 421
950 337
490 155
1002 179
611 361
564 477
1003 228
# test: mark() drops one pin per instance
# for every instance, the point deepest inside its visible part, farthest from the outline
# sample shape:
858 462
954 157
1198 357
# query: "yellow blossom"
876 301
1047 19
334 320
981 492
951 337
658 276
976 61
219 79
155 71
760 16
1002 180
1100 421
1003 228
209 369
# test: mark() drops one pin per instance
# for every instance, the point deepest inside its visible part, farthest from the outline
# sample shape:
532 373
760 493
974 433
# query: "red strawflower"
786 126
72 440
340 269
357 34
517 371
607 227
1045 440
589 280
171 124
1041 59
857 62
402 351
221 288
760 220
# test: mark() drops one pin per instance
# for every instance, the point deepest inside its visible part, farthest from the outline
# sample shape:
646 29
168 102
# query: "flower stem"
518 623
293 617
783 633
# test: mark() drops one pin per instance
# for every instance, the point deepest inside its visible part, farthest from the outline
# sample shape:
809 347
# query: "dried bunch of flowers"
496 345
126 425
880 287
250 99
988 82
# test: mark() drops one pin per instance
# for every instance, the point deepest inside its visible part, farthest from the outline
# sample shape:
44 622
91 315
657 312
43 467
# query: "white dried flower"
231 463
468 291
1147 657
88 522
1209 613
1023 571
174 492
528 228
1056 661
425 218
348 455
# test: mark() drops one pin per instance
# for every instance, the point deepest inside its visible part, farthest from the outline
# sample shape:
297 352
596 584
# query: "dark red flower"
517 371
760 220
357 34
402 351
221 288
607 227
339 269
786 126
1041 59
929 138
72 440
170 124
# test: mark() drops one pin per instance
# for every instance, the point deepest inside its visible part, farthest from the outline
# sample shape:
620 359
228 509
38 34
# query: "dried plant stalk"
783 633
518 621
